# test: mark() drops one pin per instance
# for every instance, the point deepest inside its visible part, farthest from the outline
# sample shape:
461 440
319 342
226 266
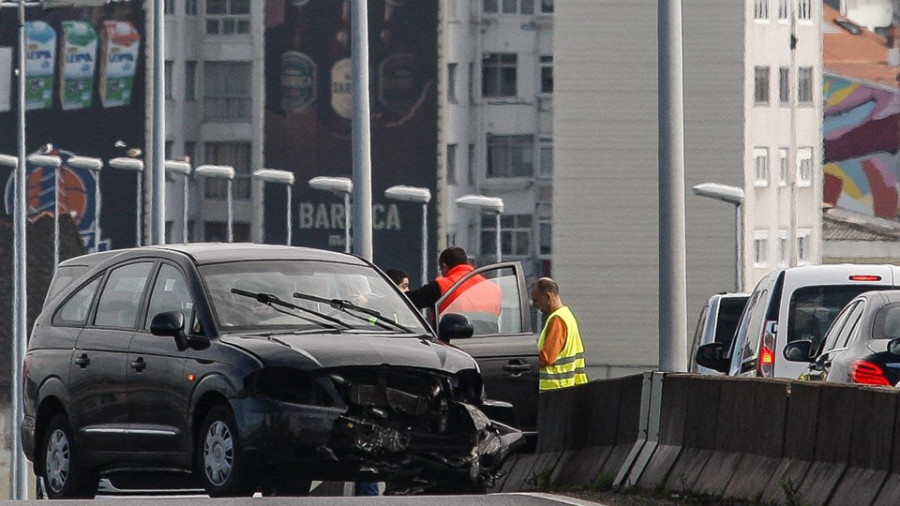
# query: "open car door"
496 301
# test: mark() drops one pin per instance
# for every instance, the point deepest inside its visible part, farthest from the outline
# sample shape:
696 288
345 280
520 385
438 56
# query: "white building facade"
214 110
496 128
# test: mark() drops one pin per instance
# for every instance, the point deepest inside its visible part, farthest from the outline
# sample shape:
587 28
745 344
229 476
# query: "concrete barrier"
890 490
754 431
872 413
799 443
672 413
700 420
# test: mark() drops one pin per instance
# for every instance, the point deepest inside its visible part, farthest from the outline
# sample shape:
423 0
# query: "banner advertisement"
84 95
309 105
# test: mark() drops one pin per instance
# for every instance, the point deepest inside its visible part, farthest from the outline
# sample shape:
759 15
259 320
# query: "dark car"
257 368
862 345
717 324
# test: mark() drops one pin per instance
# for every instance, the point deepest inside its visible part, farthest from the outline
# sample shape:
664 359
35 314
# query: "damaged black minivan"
256 368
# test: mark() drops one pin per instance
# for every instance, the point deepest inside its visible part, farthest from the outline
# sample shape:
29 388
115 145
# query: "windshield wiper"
272 301
375 318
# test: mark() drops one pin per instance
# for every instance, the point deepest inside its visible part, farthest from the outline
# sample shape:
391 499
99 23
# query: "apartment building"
497 127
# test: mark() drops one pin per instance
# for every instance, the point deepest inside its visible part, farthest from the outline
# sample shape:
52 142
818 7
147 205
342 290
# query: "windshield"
361 285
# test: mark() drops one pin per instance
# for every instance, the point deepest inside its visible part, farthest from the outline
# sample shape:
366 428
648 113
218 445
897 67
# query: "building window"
498 75
470 161
805 85
783 251
547 6
509 6
227 17
169 7
451 82
804 9
783 9
190 7
510 156
804 166
515 235
451 163
471 83
545 237
217 231
235 154
546 74
227 91
783 166
167 70
761 85
784 85
490 6
760 248
761 9
546 161
761 164
804 245
190 80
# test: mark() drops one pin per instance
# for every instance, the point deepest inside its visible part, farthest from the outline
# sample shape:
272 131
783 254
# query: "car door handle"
139 364
516 367
83 360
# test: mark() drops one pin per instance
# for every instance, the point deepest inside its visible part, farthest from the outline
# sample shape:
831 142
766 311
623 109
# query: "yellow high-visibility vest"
568 370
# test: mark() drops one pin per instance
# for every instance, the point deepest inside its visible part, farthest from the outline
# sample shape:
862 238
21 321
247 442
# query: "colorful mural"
861 147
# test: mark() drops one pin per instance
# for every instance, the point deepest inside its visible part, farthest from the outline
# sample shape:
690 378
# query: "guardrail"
770 441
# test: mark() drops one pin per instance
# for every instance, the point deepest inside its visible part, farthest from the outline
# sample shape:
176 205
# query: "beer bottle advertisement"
309 73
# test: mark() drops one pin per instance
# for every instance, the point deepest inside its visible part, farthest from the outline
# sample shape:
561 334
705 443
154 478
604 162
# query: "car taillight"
765 365
766 361
867 373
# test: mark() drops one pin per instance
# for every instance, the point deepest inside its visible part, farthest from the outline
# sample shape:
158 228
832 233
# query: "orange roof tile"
861 56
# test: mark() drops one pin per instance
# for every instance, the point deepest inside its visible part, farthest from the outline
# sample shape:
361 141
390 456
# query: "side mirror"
798 351
710 356
454 326
894 346
170 324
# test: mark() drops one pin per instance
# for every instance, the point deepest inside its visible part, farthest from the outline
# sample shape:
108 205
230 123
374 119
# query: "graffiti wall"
862 138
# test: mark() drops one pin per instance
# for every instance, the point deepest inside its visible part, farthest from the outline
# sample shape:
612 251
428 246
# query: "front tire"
220 461
64 477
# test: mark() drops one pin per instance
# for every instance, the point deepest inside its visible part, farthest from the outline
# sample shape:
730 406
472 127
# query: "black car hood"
314 351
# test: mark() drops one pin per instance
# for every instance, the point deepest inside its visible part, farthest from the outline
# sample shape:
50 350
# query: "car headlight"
284 384
468 386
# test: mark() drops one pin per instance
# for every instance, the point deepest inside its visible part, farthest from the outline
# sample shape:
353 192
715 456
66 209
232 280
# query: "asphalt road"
524 499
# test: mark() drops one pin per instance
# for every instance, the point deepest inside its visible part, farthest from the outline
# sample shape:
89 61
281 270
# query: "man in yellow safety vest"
560 351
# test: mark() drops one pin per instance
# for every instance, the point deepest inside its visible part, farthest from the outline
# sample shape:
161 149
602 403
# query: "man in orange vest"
478 298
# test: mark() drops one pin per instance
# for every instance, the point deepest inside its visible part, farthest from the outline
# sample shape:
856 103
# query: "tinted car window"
727 320
74 311
170 293
121 296
754 326
63 278
887 322
492 305
850 327
813 308
830 337
360 285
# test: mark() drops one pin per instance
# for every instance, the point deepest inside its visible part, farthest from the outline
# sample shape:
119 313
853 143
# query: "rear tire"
220 461
60 467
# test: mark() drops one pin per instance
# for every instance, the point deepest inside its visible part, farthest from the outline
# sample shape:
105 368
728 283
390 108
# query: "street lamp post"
225 172
735 196
419 196
342 187
94 165
486 205
275 176
137 166
184 169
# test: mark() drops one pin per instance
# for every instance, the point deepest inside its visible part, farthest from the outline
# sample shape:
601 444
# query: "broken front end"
418 429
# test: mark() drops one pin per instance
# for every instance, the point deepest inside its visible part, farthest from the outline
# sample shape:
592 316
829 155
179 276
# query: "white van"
791 304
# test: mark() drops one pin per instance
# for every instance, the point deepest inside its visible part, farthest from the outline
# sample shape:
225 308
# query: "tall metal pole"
158 211
56 171
738 258
362 161
184 212
425 244
672 271
497 245
288 217
20 311
140 209
347 248
97 210
230 214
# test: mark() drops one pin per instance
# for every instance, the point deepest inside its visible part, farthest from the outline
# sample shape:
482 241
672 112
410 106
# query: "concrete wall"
605 234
